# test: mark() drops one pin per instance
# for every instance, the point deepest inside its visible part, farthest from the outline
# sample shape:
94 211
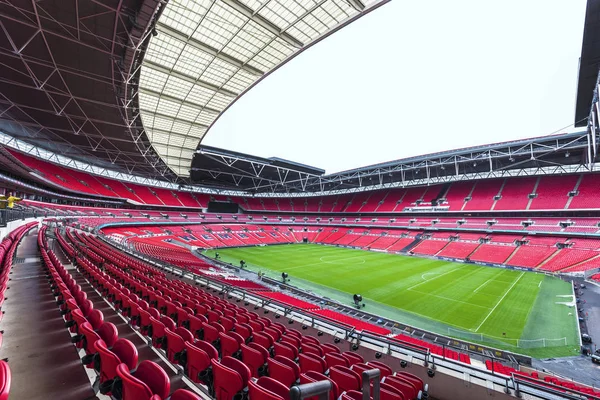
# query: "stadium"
139 262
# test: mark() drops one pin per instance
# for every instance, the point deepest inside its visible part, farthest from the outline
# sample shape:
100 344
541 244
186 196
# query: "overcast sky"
416 77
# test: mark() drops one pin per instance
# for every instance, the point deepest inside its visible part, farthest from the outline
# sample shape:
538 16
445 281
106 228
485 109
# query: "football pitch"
508 309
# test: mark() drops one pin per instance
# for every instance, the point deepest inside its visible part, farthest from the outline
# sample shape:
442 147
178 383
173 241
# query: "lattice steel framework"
207 53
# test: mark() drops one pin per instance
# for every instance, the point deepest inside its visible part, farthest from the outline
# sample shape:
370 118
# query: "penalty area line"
482 285
500 301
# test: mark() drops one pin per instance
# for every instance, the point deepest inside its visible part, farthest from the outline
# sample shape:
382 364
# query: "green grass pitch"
502 308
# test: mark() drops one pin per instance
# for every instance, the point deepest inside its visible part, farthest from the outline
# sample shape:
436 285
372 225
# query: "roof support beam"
176 100
174 119
161 27
262 21
187 78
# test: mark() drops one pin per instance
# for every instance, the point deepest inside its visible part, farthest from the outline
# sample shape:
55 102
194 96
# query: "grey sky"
416 77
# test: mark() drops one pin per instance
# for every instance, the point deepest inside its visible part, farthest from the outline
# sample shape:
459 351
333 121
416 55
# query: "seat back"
89 337
310 362
227 381
313 349
175 344
266 388
352 357
285 350
123 352
384 369
253 358
108 332
132 388
155 377
196 322
244 330
197 362
312 376
281 372
333 359
5 380
345 378
182 394
265 340
406 388
387 392
417 382
330 348
96 318
229 345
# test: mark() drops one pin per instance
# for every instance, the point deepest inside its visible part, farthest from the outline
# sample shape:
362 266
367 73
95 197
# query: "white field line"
500 301
450 299
436 277
482 285
327 262
540 284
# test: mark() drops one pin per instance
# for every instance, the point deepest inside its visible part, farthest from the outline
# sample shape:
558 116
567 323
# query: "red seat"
384 369
176 343
195 323
182 394
313 349
310 362
333 359
330 348
266 388
230 344
283 370
147 380
352 395
96 318
122 352
230 376
285 350
244 330
255 357
264 339
345 378
5 380
387 392
405 387
353 358
417 382
312 376
197 361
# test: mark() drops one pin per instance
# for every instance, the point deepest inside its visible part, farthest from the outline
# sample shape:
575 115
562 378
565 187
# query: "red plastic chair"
283 370
255 357
266 388
182 394
230 376
123 352
345 378
176 343
333 359
312 376
310 362
5 380
197 362
353 358
285 350
147 380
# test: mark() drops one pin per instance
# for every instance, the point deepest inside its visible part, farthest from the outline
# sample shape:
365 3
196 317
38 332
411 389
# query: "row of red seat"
435 349
557 192
114 358
548 380
8 248
534 251
232 332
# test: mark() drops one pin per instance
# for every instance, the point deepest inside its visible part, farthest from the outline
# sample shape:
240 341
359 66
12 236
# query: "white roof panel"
209 52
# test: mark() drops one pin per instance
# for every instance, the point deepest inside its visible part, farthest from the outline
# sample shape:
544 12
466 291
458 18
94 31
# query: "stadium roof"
205 54
589 63
133 85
